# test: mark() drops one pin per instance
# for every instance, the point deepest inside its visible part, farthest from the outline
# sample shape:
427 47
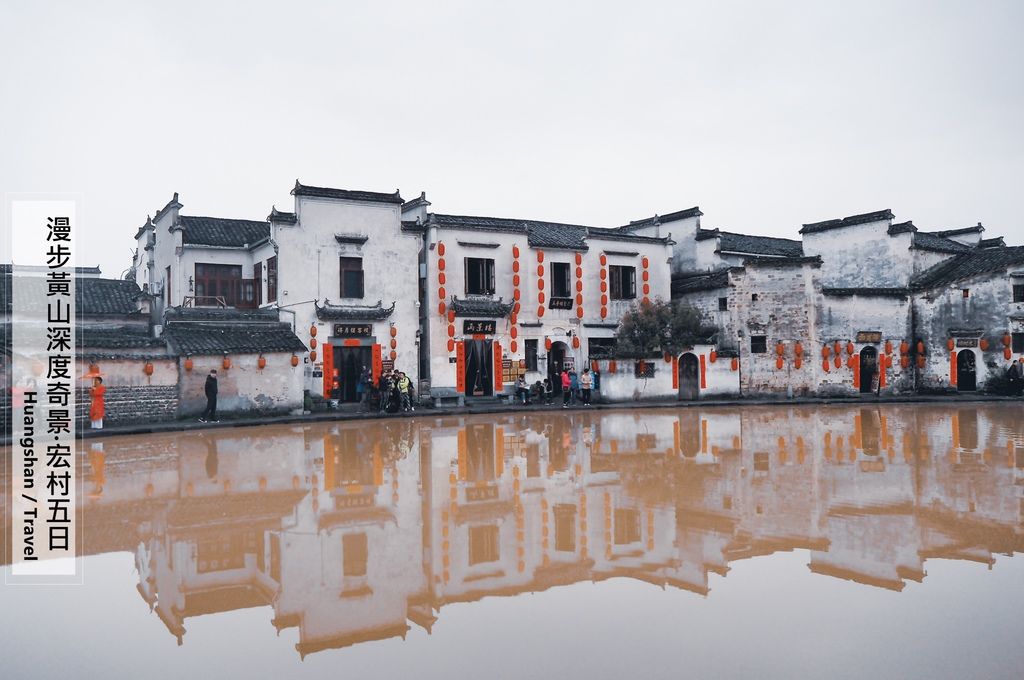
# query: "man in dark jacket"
210 414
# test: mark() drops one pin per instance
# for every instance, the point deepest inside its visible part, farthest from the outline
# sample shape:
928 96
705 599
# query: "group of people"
394 391
574 387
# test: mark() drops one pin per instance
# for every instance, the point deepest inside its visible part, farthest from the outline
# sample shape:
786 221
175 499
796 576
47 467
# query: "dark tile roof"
994 242
902 228
864 218
925 240
116 337
230 338
962 230
700 281
346 194
221 314
329 312
731 242
93 296
281 217
867 292
222 232
662 219
754 261
969 264
481 307
539 234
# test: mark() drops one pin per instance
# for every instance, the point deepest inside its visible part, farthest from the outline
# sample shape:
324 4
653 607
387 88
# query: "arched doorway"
689 377
868 369
966 371
479 368
558 361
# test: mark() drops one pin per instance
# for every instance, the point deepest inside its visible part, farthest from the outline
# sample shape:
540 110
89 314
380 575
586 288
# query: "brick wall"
133 404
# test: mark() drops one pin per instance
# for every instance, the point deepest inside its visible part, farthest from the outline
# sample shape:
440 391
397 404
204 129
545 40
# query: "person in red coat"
97 407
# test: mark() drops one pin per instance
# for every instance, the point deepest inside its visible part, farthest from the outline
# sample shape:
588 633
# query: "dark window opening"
602 348
753 297
479 276
531 355
966 292
483 544
1017 343
1018 292
758 344
565 528
219 283
167 285
351 277
257 282
643 369
560 284
272 279
354 554
723 304
622 282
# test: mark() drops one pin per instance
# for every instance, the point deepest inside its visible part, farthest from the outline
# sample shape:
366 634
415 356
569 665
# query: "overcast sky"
766 115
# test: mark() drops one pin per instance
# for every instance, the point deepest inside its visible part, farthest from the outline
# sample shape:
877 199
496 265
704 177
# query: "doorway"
689 377
556 364
868 369
966 371
348 366
479 368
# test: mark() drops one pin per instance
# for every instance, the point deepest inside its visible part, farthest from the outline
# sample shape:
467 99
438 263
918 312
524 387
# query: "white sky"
767 115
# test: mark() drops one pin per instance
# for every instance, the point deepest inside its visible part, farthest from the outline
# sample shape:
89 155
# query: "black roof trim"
346 194
329 312
351 238
282 217
221 232
978 228
481 307
867 292
814 260
207 339
663 219
699 282
975 262
863 218
477 244
927 240
902 228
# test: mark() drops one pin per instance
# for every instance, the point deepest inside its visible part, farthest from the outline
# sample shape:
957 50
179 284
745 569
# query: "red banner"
377 363
499 385
328 370
460 367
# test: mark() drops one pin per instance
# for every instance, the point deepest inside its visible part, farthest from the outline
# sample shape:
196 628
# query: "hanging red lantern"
595 366
451 330
837 348
950 344
540 256
515 251
849 348
888 346
312 343
779 362
798 348
579 259
920 347
838 361
451 345
540 297
645 262
451 316
514 332
394 343
825 351
515 266
825 366
441 293
295 361
734 364
613 366
441 308
668 358
849 361
440 248
440 264
604 312
312 357
393 355
780 349
148 368
904 361
441 278
603 259
713 356
540 270
579 312
513 318
394 332
312 331
575 342
513 346
261 362
515 280
226 362
540 312
920 361
798 362
983 344
1007 339
188 363
547 343
1007 353
904 347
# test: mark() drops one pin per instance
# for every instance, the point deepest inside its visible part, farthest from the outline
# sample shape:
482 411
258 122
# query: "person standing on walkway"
384 387
574 384
522 391
363 388
403 390
210 414
97 407
549 391
1016 378
566 389
586 382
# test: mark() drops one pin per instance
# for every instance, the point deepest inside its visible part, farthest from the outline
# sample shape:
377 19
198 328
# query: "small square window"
1018 292
1017 344
758 344
966 292
723 304
753 297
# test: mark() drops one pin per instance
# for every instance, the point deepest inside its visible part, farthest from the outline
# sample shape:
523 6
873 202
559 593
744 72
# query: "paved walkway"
344 415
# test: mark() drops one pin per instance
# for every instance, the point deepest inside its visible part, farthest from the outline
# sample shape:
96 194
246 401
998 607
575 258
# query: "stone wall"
126 404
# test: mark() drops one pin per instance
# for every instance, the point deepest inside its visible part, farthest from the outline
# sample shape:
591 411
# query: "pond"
769 542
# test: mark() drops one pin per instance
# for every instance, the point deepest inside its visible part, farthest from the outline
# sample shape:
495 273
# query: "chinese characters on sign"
470 327
353 330
869 336
44 383
560 303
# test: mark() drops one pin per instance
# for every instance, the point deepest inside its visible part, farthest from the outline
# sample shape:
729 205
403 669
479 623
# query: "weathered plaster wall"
243 388
862 255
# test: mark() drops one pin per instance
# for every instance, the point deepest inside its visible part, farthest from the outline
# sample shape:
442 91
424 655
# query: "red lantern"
394 343
904 361
579 259
983 344
540 312
261 362
734 364
312 343
451 330
441 308
312 358
312 331
148 368
515 280
779 362
540 297
613 366
950 344
825 351
547 343
798 362
1007 339
515 266
393 355
904 347
579 286
540 270
188 363
837 348
780 349
513 319
920 347
888 347
603 275
513 346
394 332
579 312
451 316
440 264
1007 353
441 278
576 342
442 293
440 248
579 272
226 362
604 259
451 345
668 358
645 262
514 332
713 356
515 251
824 365
849 348
604 312
540 256
295 361
798 349
838 362
920 361
594 366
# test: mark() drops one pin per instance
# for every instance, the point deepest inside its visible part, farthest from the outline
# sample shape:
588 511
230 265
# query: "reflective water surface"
755 542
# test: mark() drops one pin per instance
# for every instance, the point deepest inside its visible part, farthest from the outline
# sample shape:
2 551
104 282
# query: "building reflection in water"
356 531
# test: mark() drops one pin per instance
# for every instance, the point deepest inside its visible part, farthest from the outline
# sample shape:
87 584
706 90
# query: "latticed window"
479 276
351 277
622 282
